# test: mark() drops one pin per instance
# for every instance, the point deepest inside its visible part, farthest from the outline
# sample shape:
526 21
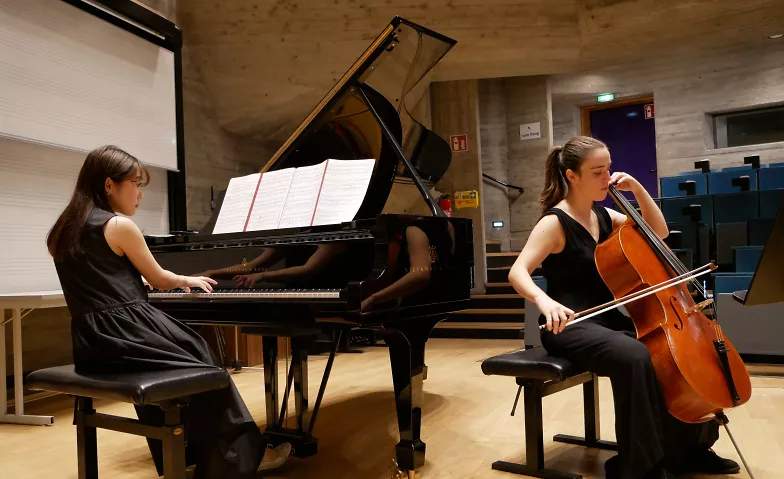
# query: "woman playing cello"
651 442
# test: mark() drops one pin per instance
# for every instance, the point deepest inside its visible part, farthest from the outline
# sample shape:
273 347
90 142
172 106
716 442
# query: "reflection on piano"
397 274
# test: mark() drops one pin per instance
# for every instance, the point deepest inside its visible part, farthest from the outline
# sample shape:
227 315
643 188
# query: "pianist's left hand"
247 280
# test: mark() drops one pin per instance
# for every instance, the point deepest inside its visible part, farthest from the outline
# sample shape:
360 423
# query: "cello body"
680 338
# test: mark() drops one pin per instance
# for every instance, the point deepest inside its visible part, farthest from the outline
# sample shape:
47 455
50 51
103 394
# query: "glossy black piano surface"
397 274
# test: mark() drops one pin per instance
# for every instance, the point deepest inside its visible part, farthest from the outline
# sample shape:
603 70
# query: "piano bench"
168 389
542 375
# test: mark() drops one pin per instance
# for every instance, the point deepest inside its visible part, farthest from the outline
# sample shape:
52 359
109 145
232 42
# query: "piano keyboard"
247 294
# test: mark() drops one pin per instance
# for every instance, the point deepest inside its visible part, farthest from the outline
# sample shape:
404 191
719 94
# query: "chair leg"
86 440
173 443
591 415
534 440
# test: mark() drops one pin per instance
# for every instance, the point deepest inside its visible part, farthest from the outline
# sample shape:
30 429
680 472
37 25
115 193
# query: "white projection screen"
69 82
72 80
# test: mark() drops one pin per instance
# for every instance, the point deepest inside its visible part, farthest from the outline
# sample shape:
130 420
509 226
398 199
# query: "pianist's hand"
247 280
202 282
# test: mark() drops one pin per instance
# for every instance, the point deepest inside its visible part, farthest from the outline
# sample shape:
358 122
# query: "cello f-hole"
674 306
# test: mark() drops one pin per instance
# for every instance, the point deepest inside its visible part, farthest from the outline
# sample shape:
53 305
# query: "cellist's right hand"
557 314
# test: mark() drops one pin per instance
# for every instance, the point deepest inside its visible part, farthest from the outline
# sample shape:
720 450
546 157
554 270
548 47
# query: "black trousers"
646 433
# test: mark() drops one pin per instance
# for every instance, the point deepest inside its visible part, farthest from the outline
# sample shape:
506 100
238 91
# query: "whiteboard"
72 80
36 183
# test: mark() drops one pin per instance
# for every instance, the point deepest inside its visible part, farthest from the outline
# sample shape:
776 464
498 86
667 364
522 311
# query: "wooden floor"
466 424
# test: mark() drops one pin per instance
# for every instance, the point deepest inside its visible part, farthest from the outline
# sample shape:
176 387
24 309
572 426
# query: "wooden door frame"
585 111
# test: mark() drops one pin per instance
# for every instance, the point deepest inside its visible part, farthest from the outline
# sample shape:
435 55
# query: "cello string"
655 241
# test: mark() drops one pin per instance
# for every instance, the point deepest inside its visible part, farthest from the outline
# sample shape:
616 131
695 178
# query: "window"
750 127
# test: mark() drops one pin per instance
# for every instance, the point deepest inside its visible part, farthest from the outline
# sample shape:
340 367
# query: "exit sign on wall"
649 111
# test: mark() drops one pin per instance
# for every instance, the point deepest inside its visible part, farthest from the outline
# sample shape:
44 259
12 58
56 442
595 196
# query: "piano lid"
342 127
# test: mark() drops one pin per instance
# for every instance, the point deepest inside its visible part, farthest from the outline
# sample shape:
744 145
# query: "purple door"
631 139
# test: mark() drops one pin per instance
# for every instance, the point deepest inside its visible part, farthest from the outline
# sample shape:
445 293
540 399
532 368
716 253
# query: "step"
499 288
497 301
493 246
487 315
479 330
498 260
498 275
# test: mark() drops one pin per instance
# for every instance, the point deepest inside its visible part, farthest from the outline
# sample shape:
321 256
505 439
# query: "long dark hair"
90 192
562 158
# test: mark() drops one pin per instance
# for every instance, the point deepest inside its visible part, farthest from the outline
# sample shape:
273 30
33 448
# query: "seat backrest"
727 236
771 178
721 181
735 207
670 185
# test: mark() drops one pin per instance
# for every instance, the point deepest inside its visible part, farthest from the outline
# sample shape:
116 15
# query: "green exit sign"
605 97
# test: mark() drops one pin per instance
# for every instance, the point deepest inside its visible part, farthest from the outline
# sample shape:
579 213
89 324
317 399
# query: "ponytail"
555 186
561 159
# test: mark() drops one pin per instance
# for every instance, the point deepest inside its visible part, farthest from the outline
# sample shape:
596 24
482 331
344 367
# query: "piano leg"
270 351
407 355
302 441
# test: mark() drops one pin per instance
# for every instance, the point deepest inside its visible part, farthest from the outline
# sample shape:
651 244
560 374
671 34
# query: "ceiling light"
776 36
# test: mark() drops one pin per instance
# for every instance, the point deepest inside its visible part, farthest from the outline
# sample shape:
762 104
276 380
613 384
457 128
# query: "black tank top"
572 277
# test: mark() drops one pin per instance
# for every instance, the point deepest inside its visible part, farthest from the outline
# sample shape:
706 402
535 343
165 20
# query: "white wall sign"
529 131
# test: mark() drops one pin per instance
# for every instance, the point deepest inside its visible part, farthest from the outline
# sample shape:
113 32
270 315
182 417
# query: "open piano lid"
342 126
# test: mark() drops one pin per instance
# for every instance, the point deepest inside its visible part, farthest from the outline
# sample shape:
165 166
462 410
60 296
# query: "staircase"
497 314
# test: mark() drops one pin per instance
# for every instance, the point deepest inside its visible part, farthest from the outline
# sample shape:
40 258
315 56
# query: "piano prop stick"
317 273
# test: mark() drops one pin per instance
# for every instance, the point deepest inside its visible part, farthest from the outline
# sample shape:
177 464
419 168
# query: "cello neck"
658 245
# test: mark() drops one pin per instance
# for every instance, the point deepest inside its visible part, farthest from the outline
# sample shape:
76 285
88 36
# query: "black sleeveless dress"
115 329
647 435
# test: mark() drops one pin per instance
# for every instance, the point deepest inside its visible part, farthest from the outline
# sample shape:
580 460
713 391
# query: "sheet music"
236 204
344 188
270 199
302 197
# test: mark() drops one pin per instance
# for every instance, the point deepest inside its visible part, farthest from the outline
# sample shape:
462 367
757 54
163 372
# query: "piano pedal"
396 473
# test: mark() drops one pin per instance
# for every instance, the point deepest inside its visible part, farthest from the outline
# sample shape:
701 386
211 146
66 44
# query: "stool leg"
86 440
174 444
591 418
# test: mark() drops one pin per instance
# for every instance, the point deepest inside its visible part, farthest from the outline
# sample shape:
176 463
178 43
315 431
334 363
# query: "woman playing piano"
651 442
100 257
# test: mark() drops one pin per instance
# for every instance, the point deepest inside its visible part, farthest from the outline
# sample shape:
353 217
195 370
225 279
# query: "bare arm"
322 257
267 257
546 238
418 275
125 238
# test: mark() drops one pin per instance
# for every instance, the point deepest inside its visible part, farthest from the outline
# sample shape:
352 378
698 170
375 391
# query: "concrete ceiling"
267 63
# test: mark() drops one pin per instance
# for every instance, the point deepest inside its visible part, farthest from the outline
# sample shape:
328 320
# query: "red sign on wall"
459 142
649 111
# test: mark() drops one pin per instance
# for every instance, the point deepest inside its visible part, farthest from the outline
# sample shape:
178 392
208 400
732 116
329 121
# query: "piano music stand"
767 284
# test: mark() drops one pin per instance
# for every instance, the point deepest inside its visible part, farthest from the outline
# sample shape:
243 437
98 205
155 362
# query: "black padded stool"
167 389
543 375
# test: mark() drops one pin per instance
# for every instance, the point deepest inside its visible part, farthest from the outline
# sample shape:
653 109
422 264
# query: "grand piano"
396 274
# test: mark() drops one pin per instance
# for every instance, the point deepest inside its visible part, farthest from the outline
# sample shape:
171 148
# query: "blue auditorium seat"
736 168
734 207
728 236
770 202
670 185
759 230
771 178
746 258
721 181
771 165
731 282
673 209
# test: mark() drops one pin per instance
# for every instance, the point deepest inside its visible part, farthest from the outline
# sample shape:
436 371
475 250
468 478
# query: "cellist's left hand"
624 182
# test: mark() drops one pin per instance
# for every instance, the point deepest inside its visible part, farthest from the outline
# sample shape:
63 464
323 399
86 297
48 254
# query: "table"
20 305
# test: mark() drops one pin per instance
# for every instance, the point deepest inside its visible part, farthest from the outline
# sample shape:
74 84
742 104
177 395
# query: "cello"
699 370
